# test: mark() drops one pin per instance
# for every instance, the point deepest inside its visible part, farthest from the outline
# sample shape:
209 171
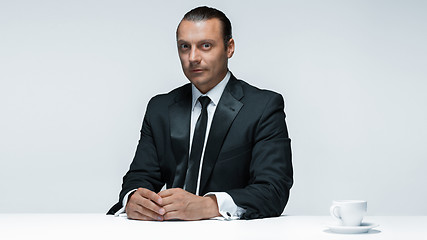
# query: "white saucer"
363 228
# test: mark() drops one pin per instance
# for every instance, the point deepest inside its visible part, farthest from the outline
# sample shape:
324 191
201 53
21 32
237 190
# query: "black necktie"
197 147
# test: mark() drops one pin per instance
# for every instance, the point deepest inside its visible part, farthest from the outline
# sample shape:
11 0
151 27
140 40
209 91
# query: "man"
220 145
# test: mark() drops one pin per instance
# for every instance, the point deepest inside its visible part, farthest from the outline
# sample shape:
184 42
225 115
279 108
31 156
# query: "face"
202 52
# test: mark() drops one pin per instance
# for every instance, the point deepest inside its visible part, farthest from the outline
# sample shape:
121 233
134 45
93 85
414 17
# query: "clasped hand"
170 204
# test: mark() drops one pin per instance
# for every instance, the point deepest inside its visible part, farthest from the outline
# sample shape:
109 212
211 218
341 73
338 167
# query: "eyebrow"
201 41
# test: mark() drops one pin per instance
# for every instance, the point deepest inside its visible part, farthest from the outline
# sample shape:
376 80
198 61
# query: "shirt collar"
214 94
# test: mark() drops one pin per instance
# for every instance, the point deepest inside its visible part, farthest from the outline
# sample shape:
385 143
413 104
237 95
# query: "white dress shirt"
226 206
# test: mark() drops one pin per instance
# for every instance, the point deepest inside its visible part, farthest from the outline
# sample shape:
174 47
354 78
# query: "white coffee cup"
349 212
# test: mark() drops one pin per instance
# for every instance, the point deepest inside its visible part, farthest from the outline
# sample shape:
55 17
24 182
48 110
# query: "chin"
198 80
199 83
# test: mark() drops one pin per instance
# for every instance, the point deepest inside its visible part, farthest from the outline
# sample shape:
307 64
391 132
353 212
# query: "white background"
75 78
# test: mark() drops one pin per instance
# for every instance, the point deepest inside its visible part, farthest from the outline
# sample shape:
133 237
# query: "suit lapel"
179 119
225 113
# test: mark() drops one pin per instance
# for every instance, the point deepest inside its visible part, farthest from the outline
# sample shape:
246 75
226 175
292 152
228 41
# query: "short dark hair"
205 13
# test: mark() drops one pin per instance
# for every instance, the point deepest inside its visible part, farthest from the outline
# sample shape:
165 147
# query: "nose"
194 56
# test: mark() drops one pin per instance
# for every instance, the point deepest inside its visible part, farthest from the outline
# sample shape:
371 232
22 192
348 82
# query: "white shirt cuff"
226 206
122 211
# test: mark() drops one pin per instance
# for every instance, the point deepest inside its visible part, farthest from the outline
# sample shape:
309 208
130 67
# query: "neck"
206 88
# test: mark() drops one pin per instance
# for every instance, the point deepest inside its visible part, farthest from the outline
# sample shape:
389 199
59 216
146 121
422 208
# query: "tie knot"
204 100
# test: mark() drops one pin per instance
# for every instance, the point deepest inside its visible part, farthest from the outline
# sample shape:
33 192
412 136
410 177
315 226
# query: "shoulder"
171 97
257 96
250 89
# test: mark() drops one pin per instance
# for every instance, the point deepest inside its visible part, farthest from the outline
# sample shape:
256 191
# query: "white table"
100 226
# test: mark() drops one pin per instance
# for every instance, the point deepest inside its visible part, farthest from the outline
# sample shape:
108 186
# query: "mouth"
197 70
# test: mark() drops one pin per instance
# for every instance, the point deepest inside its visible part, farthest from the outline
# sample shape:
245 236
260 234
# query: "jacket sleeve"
144 170
271 173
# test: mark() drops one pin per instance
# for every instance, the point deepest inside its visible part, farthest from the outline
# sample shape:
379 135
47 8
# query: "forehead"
193 31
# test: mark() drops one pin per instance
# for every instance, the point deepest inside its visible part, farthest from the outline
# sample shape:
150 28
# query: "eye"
184 46
206 45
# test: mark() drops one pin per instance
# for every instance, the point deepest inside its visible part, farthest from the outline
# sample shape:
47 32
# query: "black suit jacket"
247 155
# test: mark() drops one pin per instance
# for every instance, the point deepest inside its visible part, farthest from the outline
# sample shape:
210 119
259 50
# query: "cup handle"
334 210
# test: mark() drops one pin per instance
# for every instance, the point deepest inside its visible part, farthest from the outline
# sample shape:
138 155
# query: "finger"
144 206
146 203
142 210
173 206
151 206
167 192
138 216
132 212
172 216
147 212
150 195
169 200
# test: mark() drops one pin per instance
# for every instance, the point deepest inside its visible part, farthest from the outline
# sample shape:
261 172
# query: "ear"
230 48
